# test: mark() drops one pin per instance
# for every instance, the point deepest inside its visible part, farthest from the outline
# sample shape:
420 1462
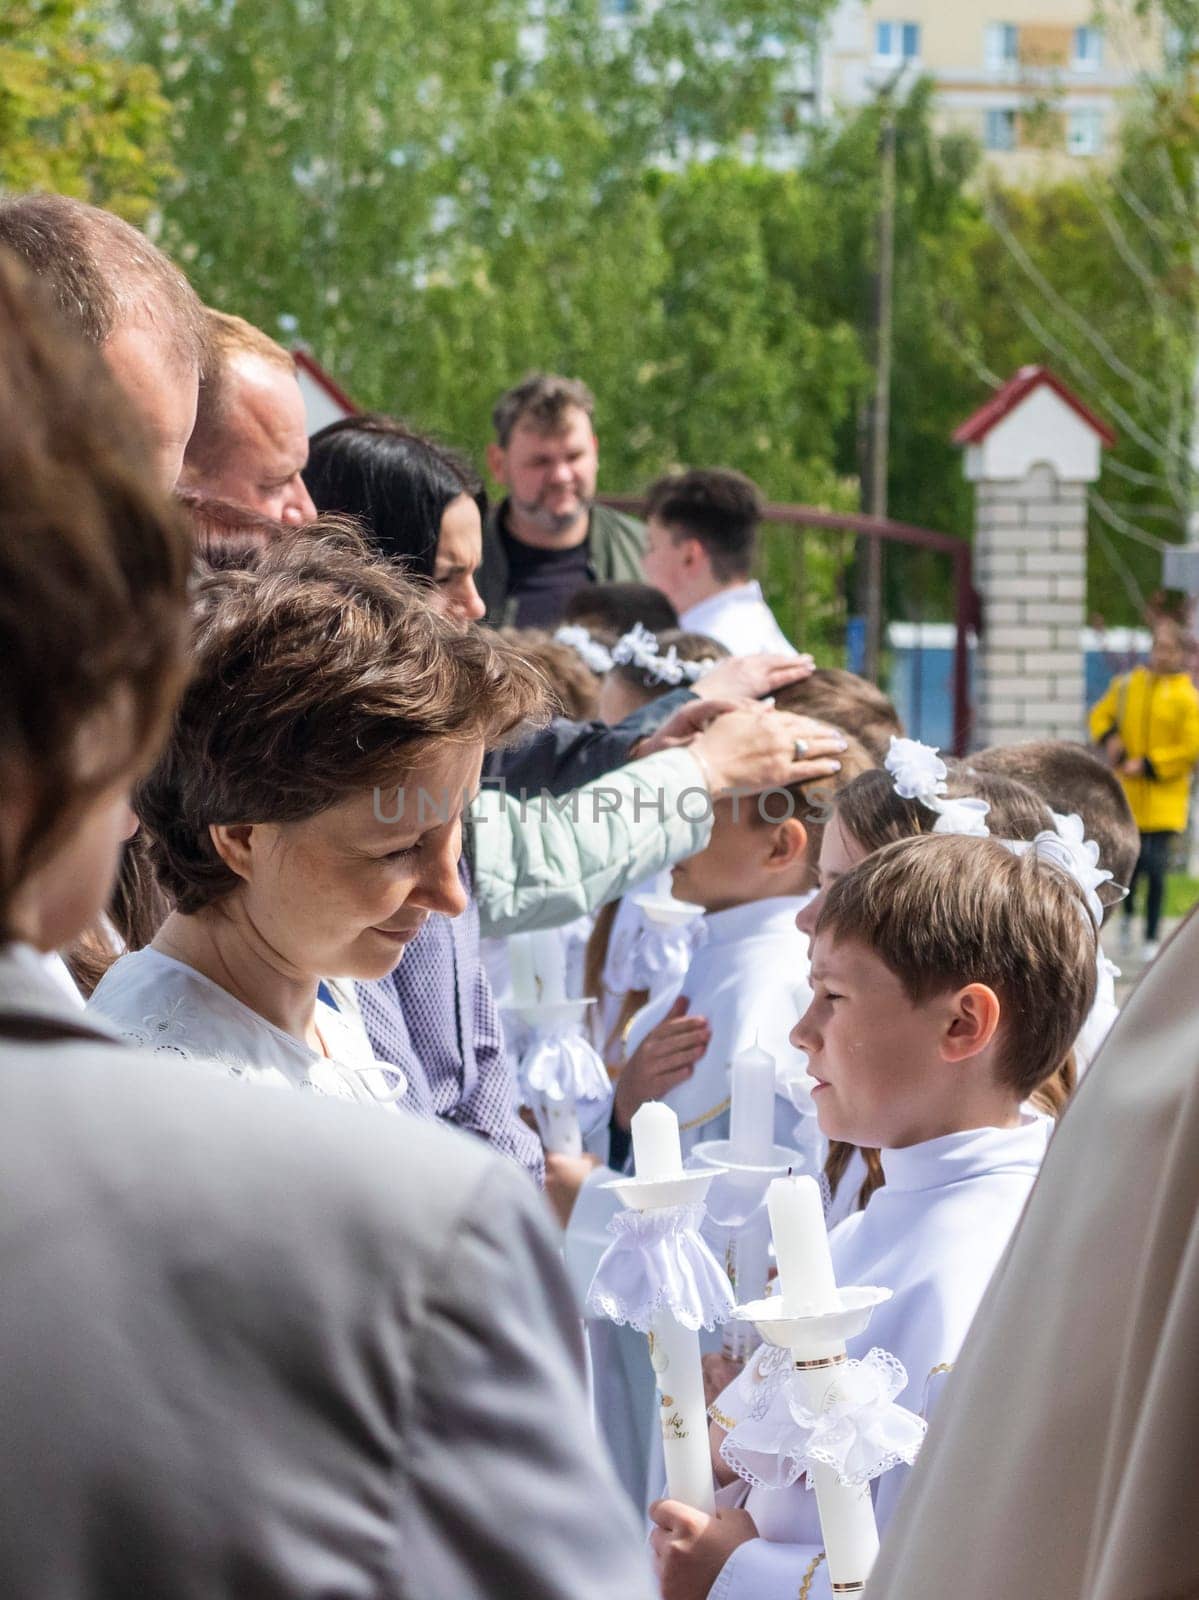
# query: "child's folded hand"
666 1056
690 1547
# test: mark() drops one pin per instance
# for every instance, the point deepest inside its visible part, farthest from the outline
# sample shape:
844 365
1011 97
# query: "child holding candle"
950 978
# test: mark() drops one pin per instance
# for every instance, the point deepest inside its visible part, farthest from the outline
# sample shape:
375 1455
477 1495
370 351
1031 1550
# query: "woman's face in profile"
459 552
346 891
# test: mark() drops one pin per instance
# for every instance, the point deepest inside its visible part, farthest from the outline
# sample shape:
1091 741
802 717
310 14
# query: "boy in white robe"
950 978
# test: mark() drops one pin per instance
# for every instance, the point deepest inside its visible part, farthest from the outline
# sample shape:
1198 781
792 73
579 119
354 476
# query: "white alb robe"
164 1005
933 1234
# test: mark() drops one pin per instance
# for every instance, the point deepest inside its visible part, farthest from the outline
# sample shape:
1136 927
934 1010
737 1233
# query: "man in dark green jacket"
548 537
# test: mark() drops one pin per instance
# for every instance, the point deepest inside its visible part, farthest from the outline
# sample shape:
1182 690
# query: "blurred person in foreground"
249 1342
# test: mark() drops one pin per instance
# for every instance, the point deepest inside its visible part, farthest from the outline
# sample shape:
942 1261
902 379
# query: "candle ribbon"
655 957
860 1431
561 1065
657 1262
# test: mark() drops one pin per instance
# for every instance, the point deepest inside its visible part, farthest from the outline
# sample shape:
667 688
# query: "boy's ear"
788 844
974 1014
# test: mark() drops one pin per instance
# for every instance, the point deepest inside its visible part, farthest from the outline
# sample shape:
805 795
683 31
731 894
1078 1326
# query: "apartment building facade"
1037 82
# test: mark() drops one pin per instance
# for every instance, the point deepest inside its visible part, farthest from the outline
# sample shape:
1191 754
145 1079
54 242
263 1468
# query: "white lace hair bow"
1068 848
639 648
658 1262
919 774
590 651
860 1431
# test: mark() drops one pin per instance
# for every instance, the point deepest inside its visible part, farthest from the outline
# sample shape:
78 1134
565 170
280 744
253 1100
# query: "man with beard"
548 537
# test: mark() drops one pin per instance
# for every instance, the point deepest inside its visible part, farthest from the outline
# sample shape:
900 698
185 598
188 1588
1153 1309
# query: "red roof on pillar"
322 378
1005 400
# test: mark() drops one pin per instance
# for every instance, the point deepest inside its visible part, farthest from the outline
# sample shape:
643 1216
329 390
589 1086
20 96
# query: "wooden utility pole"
880 417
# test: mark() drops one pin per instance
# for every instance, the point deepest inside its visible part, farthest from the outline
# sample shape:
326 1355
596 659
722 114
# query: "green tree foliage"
437 197
75 117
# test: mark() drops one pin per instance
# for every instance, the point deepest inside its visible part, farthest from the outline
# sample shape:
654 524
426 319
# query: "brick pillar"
1030 568
1031 451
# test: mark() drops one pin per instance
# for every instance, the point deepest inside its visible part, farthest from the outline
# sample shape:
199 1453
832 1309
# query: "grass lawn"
1181 894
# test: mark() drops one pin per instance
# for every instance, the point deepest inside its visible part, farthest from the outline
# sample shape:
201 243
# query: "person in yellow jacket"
1148 726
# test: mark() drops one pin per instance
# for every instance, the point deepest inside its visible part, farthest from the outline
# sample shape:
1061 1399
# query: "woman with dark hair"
419 503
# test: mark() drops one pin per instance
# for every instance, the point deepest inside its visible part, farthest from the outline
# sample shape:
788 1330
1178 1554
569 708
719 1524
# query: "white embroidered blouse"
166 1006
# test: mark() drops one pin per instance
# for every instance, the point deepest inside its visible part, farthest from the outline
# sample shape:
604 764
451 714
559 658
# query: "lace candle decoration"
812 1318
561 1071
660 1277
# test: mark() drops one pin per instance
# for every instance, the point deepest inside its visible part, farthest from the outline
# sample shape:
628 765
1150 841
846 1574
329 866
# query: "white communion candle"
806 1278
751 1115
678 1371
537 963
522 970
558 1124
657 1151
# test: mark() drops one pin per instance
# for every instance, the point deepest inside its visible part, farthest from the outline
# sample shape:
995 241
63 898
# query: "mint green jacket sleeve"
543 863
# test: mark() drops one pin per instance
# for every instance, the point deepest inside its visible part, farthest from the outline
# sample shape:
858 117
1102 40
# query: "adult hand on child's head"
751 677
748 751
690 1547
666 1056
564 1177
682 726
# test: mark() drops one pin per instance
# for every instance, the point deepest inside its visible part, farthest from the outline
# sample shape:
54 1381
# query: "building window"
999 129
1084 132
897 41
1002 45
1088 49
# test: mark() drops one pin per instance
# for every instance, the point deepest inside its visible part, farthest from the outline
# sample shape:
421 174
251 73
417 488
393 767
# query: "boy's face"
882 1079
742 860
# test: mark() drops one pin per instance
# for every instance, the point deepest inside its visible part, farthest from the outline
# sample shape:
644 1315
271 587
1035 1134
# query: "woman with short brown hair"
305 817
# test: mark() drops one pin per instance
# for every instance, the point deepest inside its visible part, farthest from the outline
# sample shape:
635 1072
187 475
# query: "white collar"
747 593
975 1153
758 919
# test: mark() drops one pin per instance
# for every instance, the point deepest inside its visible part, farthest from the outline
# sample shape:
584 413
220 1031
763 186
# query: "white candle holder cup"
738 1212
